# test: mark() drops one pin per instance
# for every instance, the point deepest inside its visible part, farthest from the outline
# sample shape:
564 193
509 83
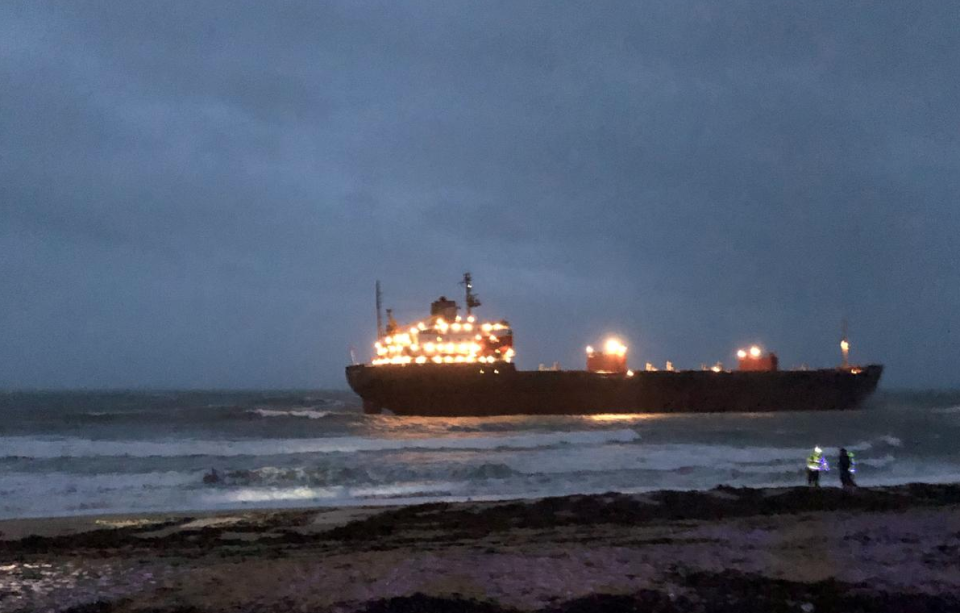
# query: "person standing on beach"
815 463
847 468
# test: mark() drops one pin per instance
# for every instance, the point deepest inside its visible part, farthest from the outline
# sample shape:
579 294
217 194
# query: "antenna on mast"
844 343
379 312
471 298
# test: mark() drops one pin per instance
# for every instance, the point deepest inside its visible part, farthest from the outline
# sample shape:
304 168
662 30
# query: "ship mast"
471 298
379 310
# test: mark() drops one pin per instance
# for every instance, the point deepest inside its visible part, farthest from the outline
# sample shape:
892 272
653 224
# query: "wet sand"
790 549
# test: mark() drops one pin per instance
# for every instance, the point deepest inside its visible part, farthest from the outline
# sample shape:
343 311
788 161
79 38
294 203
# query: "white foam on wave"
61 482
71 447
880 462
307 413
888 439
247 495
676 458
947 410
261 495
402 490
60 493
665 458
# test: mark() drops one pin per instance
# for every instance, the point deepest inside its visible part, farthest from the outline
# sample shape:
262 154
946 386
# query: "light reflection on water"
604 417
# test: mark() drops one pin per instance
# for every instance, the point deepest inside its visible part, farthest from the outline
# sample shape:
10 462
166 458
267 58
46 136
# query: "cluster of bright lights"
613 346
754 352
441 342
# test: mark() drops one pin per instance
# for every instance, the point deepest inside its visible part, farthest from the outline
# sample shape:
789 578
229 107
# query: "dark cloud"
201 194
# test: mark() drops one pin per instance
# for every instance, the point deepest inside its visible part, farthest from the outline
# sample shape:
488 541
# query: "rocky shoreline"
726 549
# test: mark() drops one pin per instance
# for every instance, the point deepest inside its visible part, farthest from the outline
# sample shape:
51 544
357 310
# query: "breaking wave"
879 442
69 447
947 410
307 413
331 475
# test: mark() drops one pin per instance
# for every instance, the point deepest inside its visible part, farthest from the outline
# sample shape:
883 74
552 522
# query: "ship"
454 364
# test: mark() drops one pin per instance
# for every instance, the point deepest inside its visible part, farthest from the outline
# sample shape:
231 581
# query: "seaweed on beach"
173 535
725 592
421 603
466 522
101 606
453 522
226 550
733 592
90 541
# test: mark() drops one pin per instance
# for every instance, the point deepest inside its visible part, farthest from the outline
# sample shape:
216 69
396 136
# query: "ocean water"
92 453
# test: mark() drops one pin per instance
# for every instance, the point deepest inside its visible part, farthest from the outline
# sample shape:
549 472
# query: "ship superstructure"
446 337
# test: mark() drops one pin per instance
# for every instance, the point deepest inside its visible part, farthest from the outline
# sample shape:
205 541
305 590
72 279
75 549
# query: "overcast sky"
201 194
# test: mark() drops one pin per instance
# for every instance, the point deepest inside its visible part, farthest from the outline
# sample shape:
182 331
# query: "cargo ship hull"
467 390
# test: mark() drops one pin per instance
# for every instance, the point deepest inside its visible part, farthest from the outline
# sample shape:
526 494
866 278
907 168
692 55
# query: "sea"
82 453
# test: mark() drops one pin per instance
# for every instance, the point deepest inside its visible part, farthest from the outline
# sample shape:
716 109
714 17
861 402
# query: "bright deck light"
614 347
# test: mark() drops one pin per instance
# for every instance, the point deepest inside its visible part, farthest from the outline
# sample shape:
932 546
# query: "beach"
725 549
296 501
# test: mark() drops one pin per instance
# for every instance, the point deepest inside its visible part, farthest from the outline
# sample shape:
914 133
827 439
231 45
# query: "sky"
202 194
